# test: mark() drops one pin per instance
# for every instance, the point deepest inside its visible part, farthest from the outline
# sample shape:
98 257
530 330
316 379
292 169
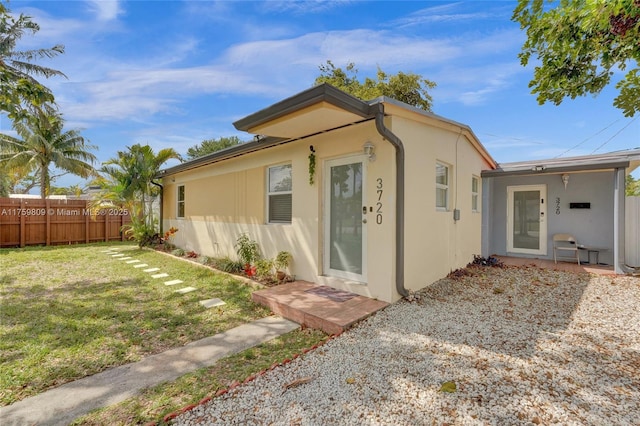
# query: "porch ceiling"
307 121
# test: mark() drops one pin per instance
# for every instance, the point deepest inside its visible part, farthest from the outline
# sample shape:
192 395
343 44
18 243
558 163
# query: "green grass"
72 311
156 402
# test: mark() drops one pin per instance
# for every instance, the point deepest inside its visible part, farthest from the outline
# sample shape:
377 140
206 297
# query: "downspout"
399 147
161 204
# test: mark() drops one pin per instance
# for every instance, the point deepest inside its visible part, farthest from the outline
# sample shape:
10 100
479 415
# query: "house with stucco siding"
373 197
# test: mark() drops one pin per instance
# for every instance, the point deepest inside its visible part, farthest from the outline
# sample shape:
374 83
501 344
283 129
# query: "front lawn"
72 311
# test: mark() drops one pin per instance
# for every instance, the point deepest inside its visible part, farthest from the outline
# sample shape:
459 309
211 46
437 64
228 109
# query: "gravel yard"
522 345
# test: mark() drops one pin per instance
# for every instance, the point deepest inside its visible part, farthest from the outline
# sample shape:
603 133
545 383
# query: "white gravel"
523 345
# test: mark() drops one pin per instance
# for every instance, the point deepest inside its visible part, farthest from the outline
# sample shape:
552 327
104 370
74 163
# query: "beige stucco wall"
435 244
228 198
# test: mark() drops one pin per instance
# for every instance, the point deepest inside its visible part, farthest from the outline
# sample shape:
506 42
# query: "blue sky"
173 73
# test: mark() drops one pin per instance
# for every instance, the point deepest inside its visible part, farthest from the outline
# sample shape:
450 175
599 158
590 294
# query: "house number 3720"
379 201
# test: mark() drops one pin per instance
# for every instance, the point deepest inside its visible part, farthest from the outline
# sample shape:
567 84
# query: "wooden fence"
25 222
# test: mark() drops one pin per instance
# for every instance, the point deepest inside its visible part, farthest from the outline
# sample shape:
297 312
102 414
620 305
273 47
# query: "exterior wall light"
369 150
565 180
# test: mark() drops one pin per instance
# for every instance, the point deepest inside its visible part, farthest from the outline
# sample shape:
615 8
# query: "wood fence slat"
23 227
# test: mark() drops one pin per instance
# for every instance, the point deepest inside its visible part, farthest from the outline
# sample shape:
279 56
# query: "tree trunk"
44 182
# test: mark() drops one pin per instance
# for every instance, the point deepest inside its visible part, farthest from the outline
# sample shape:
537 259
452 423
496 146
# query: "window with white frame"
279 193
180 207
474 194
442 186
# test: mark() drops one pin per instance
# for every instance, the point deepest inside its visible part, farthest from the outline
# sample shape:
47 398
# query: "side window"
279 194
474 194
442 186
180 206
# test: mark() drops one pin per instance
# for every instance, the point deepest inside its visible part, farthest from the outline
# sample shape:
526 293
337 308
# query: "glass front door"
345 231
527 225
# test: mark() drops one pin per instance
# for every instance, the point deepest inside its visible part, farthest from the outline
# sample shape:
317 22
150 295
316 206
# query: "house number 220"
379 202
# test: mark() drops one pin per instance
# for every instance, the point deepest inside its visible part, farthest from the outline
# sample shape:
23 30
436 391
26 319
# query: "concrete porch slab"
292 301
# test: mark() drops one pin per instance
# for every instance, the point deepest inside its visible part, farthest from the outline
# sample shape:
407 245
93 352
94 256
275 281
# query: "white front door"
345 233
526 219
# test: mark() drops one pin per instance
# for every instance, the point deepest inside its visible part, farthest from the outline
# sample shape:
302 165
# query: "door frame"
326 251
543 236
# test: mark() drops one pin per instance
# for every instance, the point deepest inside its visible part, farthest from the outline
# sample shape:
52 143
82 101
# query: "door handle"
364 220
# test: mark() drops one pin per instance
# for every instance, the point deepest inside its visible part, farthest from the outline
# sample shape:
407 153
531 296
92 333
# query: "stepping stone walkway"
186 290
162 275
208 303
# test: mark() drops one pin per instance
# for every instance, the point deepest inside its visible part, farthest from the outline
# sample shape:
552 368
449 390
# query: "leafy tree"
579 44
43 144
406 87
17 180
211 145
5 184
18 87
632 187
74 190
126 181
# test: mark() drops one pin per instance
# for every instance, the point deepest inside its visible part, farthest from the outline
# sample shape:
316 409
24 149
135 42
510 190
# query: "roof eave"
320 93
555 169
225 154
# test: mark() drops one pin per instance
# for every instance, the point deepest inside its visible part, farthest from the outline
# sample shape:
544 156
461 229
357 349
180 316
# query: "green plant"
204 260
312 165
282 260
229 265
248 250
178 252
264 268
143 233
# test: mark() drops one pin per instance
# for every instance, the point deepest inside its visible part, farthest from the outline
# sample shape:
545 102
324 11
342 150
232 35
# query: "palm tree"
18 87
43 144
127 179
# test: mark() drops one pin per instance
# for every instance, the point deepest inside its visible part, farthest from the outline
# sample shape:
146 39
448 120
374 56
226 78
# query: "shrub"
141 232
264 268
178 252
282 260
227 264
486 261
204 260
192 254
247 249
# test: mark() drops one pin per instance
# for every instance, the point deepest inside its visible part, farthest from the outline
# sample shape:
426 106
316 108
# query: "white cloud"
303 6
446 13
105 10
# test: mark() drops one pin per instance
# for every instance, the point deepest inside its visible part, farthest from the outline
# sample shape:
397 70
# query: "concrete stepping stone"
186 290
151 270
210 303
162 275
132 261
117 255
107 251
173 282
125 258
140 265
